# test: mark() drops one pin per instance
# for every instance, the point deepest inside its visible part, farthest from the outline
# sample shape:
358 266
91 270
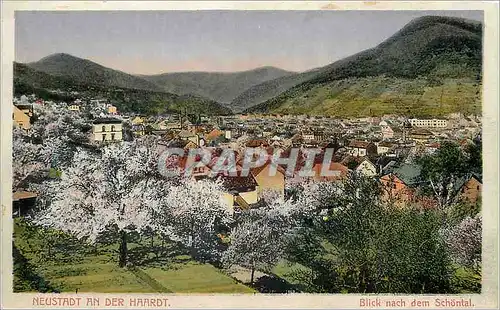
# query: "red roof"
255 171
257 143
20 195
341 169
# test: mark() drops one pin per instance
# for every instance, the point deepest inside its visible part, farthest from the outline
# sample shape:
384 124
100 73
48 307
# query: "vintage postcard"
249 154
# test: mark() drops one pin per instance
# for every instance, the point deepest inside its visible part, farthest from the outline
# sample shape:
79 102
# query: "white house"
429 123
308 136
74 107
361 148
107 129
383 147
367 168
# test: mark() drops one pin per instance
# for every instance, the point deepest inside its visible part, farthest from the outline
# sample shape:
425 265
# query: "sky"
153 42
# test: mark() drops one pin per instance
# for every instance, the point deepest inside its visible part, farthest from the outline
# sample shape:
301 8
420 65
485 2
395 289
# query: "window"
113 136
112 127
103 128
477 187
103 137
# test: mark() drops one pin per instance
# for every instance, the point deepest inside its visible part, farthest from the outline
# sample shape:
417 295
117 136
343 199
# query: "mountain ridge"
88 72
430 47
28 80
220 86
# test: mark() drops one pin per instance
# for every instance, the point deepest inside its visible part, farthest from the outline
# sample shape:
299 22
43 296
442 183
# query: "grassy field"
69 266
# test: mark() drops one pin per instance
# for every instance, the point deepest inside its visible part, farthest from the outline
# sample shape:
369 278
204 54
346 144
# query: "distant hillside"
218 86
87 72
28 80
430 54
269 89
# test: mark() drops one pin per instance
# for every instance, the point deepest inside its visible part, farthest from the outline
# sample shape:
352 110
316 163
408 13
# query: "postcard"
252 154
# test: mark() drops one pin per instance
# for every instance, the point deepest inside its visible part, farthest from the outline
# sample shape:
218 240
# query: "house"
189 136
431 147
74 107
107 129
112 109
197 171
138 129
22 202
213 135
420 134
26 108
470 188
308 136
190 145
400 183
367 168
361 148
137 120
384 147
240 191
297 140
21 119
266 181
166 125
337 171
257 143
387 132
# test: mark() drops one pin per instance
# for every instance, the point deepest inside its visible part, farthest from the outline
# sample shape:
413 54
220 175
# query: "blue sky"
149 42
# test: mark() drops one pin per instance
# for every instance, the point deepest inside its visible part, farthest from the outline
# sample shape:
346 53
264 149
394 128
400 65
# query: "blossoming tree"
194 213
108 190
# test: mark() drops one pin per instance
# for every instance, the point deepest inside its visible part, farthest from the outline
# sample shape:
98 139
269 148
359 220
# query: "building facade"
107 130
21 119
74 107
429 123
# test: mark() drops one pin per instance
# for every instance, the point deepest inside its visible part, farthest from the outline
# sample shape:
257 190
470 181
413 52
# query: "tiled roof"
185 134
239 182
359 144
256 143
421 131
20 195
255 171
107 120
212 135
463 180
385 144
408 173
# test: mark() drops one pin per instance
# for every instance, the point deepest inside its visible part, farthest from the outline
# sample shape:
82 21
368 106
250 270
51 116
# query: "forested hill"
27 80
431 66
88 72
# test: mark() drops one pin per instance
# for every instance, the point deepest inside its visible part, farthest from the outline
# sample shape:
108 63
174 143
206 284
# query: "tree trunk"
123 249
252 275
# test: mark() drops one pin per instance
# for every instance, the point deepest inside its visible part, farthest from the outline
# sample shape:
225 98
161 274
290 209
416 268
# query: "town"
387 153
379 147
